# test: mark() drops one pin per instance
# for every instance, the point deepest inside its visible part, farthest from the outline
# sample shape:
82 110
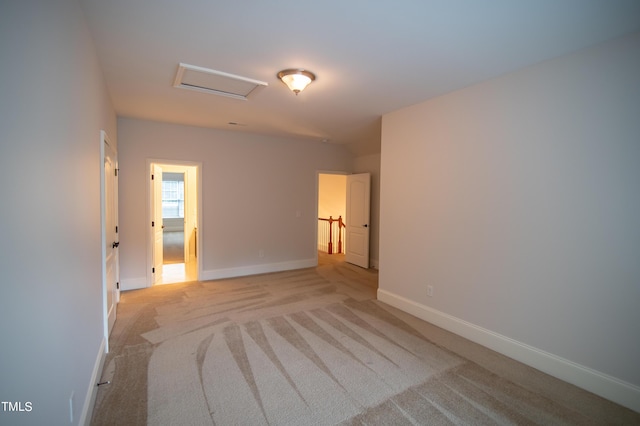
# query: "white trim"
216 274
92 391
182 67
104 139
133 283
103 237
602 384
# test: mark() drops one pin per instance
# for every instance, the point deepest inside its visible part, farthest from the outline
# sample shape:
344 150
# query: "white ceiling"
370 57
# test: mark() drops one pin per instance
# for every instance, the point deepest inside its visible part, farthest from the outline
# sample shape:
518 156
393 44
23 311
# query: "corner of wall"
601 384
133 283
216 274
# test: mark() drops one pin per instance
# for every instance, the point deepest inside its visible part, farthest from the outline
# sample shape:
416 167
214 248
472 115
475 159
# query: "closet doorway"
175 212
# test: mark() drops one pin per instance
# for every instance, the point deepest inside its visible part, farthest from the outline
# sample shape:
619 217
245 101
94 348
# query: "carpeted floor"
314 347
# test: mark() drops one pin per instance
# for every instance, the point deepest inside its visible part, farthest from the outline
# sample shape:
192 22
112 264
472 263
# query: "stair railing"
331 234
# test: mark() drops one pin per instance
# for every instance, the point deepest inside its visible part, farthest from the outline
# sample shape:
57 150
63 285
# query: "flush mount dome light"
296 79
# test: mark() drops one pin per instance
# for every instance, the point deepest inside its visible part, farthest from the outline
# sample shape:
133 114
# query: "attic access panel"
216 82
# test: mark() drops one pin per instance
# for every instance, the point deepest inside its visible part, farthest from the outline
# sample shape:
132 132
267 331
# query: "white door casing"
358 213
110 241
157 225
154 213
187 213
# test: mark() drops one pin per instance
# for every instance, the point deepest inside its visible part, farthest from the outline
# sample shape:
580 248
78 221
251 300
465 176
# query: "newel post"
340 226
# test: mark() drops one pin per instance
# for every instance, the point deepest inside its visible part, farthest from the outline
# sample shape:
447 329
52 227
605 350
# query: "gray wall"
253 186
53 105
518 200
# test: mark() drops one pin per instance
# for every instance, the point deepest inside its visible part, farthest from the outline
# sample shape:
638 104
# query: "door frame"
104 139
315 212
157 220
150 208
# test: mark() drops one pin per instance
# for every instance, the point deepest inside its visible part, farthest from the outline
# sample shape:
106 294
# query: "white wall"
253 186
518 200
332 195
53 104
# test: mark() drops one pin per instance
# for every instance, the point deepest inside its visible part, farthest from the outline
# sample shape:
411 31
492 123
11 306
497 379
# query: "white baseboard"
216 274
90 397
602 384
132 283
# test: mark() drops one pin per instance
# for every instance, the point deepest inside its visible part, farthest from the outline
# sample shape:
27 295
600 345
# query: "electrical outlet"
430 291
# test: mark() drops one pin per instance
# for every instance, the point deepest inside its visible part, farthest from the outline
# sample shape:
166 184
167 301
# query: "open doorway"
343 218
175 212
332 216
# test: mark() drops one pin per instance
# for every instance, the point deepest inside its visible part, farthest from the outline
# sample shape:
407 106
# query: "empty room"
171 254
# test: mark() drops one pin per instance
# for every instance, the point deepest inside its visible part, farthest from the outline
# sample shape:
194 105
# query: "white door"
156 223
358 209
110 240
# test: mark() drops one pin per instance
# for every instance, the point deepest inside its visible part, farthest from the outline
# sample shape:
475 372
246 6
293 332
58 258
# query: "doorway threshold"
174 273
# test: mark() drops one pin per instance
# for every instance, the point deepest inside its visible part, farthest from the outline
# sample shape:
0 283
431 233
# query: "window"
172 198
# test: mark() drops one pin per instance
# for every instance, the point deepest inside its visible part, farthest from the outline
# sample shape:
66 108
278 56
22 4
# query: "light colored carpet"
314 347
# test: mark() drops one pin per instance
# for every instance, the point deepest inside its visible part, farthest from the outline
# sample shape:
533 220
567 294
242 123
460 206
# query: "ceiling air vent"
216 82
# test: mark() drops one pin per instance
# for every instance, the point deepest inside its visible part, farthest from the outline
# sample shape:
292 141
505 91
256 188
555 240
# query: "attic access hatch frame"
214 82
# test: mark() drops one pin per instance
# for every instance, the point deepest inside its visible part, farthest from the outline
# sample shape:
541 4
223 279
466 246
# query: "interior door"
111 234
157 225
358 211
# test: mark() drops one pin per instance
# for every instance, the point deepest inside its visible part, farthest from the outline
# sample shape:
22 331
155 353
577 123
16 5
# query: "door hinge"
153 270
151 177
153 224
118 286
116 229
116 170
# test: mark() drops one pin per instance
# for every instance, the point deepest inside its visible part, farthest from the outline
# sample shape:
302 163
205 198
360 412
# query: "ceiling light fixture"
296 79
